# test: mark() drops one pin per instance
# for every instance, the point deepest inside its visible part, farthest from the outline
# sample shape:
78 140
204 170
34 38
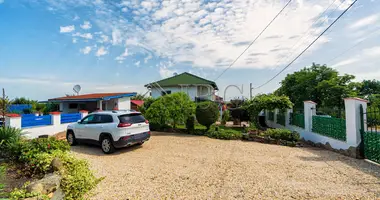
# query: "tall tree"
318 83
369 87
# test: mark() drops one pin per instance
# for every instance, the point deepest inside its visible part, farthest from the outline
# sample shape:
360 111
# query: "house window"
73 106
163 93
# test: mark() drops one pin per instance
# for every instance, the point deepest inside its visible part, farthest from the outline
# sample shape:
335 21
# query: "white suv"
110 129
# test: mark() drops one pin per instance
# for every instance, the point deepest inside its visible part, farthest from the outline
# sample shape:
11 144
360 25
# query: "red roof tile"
137 102
91 96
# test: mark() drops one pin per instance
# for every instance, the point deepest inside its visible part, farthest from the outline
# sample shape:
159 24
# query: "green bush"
190 124
21 193
225 117
77 179
207 113
282 134
8 138
3 170
225 134
37 154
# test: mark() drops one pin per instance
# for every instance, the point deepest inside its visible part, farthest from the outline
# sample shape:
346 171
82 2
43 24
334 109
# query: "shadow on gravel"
97 151
154 133
322 155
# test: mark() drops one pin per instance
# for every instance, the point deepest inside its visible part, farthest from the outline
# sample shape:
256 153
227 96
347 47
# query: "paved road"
177 166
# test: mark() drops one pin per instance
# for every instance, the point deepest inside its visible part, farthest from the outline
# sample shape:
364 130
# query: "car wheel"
107 146
70 137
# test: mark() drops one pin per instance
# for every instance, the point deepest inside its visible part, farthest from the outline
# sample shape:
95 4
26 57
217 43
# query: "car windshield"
132 118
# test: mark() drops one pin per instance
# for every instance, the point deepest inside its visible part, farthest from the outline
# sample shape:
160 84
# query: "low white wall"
34 132
314 137
352 108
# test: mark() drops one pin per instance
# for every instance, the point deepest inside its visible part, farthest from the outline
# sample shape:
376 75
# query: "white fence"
57 125
352 124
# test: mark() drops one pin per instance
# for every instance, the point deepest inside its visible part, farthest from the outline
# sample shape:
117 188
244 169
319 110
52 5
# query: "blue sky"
48 46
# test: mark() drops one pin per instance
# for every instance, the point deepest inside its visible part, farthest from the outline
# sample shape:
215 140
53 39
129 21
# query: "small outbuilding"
95 101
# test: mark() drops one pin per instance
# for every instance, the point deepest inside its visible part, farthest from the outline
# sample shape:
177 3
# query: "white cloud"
345 62
86 50
76 17
101 51
373 51
165 72
83 35
212 34
121 58
66 29
86 25
146 59
104 38
116 37
137 63
365 21
75 40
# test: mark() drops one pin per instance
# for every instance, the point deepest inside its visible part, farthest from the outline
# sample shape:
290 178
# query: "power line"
286 5
307 33
309 45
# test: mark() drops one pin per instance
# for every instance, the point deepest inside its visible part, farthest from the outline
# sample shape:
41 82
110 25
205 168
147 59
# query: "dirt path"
175 166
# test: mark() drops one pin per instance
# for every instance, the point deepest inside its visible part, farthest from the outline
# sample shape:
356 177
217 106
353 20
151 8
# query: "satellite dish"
77 89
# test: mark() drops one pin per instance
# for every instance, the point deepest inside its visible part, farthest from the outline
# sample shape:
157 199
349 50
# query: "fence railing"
32 120
330 127
297 119
371 135
281 118
71 117
271 116
372 146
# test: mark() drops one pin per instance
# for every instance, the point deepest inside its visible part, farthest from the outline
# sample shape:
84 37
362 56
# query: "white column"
352 106
55 118
61 107
84 113
309 110
275 116
13 120
100 105
287 116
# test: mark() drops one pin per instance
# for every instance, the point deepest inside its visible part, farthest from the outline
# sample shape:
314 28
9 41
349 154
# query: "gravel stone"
180 166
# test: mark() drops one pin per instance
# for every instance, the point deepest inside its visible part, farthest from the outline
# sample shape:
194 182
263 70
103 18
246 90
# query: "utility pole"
250 91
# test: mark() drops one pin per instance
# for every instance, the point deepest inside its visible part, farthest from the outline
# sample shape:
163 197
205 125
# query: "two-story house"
196 87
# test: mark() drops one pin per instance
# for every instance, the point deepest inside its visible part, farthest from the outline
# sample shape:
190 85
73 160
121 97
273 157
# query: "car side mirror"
79 121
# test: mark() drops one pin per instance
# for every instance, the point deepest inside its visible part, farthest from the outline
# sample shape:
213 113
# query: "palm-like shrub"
9 136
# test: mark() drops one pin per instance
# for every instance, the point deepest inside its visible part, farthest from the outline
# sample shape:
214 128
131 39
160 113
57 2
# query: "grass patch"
196 126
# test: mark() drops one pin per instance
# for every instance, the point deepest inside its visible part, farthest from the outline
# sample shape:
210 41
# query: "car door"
101 123
82 127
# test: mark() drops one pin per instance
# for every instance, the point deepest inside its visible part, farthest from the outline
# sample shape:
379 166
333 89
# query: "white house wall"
191 91
124 103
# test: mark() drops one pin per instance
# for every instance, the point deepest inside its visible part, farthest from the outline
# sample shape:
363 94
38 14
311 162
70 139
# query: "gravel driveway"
178 166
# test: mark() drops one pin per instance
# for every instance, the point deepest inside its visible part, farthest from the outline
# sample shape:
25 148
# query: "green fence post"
362 132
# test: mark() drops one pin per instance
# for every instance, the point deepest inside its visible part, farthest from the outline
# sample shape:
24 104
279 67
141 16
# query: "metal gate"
370 133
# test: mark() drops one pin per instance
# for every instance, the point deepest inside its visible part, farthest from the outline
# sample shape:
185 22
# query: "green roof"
185 79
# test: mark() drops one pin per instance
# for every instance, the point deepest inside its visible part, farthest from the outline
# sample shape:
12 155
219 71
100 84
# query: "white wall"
352 109
156 91
34 132
124 103
192 91
314 137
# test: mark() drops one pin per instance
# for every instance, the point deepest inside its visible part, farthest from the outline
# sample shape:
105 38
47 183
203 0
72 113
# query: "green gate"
370 133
